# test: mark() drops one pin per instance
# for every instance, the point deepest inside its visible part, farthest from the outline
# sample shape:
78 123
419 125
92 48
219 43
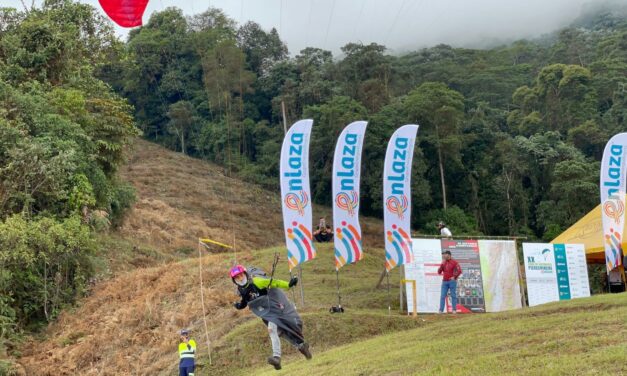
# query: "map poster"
499 272
470 296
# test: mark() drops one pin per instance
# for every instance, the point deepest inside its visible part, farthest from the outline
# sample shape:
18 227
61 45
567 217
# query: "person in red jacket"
450 271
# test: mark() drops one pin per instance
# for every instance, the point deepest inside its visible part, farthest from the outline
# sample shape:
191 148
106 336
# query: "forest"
510 137
509 143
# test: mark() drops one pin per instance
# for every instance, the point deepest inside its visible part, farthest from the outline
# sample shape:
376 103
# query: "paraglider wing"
126 13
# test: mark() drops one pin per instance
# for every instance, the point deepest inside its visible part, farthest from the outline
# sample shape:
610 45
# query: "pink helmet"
237 270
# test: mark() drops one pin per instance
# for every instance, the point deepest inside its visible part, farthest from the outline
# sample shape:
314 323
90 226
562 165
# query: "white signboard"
577 271
555 272
424 270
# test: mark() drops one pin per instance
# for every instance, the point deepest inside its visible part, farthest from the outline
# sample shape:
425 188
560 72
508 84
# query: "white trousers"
273 331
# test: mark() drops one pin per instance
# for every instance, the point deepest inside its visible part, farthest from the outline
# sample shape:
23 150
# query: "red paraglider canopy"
126 13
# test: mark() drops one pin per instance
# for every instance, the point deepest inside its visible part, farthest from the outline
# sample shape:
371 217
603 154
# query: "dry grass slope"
181 199
128 325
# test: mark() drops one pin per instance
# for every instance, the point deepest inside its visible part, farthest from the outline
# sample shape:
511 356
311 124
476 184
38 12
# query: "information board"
555 272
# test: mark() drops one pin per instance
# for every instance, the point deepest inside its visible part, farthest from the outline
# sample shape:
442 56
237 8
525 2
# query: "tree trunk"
441 168
510 210
46 292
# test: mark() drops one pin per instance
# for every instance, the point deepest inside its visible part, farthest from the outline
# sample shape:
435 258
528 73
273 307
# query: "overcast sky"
401 25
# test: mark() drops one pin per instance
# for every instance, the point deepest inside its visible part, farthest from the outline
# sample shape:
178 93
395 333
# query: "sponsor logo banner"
612 184
295 193
346 177
397 196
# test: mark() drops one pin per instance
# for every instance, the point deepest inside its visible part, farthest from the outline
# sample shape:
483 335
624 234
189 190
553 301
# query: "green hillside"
580 337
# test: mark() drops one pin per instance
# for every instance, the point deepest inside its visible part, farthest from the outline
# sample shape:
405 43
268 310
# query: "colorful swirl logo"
346 202
295 202
301 247
397 206
347 244
614 209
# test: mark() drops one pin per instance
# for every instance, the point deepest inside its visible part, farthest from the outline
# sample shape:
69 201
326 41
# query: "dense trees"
63 134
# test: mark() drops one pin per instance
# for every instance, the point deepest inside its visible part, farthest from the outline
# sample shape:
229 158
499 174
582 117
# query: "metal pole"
387 275
400 290
302 291
607 282
293 292
339 297
413 286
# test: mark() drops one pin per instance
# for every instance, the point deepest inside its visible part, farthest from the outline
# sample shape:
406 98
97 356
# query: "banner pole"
293 292
521 283
339 297
387 276
300 280
400 290
607 282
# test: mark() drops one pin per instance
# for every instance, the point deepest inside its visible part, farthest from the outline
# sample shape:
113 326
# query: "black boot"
275 361
304 349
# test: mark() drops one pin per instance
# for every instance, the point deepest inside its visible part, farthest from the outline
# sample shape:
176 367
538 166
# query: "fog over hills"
401 25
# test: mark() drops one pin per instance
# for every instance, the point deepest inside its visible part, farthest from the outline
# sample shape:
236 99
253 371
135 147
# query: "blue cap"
184 332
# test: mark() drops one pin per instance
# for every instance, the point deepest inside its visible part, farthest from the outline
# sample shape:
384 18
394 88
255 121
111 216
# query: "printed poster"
470 284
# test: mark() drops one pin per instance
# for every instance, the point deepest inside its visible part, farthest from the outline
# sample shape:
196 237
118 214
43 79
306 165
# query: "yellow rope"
202 299
206 240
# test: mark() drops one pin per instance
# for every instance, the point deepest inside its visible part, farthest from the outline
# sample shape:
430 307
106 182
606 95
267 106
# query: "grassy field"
579 337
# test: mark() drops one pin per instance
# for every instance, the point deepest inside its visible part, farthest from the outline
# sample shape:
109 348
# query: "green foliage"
455 219
45 266
82 195
63 136
122 198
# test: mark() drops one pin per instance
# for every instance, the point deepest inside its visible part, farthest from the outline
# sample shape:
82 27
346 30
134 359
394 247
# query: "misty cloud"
401 25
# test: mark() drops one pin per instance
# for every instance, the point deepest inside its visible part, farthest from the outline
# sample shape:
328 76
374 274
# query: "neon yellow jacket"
187 352
263 283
